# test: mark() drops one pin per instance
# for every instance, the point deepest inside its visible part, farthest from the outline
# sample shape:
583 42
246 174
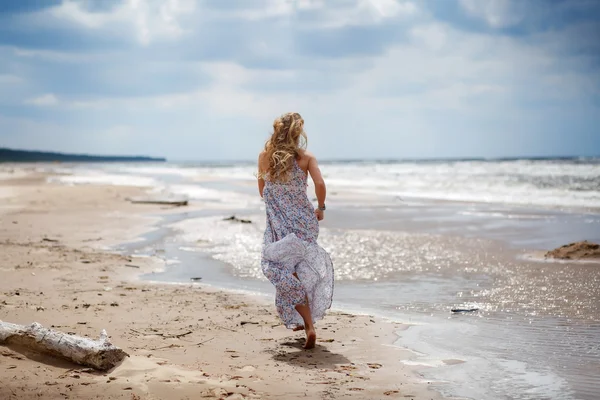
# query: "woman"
292 260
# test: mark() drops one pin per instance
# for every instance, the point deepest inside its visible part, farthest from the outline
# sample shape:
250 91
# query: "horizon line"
323 160
404 159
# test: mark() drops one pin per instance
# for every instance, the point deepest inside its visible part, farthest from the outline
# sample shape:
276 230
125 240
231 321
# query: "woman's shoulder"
263 161
304 159
306 155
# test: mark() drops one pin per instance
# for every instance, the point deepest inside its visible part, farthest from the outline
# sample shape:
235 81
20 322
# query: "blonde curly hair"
284 145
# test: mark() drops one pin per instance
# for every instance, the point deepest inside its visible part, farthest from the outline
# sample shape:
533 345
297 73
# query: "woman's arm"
261 171
320 188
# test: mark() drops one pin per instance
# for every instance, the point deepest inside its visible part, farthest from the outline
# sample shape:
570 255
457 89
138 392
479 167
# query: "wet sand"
535 333
185 341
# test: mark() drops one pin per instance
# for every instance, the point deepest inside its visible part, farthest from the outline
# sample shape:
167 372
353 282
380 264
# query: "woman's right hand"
320 214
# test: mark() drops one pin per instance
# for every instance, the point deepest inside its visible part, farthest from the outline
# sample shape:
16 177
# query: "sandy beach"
185 341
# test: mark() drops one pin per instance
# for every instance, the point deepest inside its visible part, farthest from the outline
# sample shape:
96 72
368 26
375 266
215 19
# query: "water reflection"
536 333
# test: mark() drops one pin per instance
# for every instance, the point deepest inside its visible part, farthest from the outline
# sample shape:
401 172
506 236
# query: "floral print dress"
290 246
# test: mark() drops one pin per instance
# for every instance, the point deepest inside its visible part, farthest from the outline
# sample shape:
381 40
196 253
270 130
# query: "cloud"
390 8
313 13
378 78
9 79
104 24
147 20
496 13
26 5
43 100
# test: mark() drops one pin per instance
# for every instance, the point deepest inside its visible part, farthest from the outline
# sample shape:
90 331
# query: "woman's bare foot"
298 328
311 338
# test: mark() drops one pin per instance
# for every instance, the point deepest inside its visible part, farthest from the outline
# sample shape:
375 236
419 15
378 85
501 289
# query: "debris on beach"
464 310
166 202
236 219
155 332
576 251
99 354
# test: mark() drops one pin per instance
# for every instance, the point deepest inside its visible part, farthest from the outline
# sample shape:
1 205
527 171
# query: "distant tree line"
10 155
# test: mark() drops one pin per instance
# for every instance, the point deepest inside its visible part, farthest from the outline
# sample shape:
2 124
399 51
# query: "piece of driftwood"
464 310
167 202
99 354
236 219
164 335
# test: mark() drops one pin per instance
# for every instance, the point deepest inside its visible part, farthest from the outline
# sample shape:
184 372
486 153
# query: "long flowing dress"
290 246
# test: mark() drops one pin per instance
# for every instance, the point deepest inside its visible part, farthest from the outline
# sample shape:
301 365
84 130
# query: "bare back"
304 160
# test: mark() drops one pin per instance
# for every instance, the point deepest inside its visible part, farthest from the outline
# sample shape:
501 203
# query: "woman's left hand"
319 214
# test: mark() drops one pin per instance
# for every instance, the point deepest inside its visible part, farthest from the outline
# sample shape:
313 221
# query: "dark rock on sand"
576 251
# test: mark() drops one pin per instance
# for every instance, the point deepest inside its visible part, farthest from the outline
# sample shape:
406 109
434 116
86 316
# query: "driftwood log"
99 354
166 202
236 219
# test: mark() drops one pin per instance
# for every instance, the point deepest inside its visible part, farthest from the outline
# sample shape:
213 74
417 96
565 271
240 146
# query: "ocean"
410 241
561 183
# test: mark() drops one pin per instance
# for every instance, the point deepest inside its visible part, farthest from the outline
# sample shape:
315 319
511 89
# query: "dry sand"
185 341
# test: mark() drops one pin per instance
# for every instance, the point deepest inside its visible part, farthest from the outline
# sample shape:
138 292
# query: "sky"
204 79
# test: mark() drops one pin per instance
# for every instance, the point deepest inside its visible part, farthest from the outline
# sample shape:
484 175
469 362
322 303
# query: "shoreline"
73 283
434 358
493 278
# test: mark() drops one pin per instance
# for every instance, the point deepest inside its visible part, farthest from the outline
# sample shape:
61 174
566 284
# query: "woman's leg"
311 335
304 311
